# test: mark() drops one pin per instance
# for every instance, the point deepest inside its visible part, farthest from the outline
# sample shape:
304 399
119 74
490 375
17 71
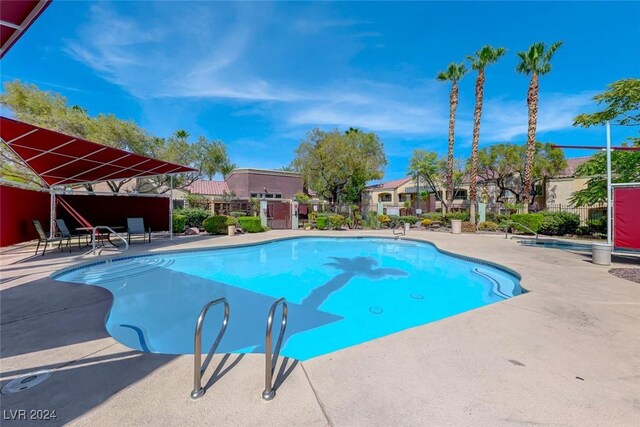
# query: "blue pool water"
340 292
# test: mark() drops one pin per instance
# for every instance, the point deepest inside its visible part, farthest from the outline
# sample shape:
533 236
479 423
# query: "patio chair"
42 238
135 226
64 231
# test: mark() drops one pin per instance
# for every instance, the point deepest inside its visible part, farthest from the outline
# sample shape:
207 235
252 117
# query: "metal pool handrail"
93 237
401 233
198 370
269 393
506 231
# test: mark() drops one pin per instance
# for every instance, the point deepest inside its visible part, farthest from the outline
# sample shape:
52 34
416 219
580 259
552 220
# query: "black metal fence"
593 219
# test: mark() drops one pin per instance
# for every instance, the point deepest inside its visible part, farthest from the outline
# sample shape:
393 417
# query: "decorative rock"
193 231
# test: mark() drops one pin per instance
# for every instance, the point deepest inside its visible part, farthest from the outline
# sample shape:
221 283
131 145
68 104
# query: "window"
405 197
460 195
266 196
384 197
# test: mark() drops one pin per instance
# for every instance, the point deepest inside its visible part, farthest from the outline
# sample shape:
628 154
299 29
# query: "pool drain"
26 382
417 296
375 309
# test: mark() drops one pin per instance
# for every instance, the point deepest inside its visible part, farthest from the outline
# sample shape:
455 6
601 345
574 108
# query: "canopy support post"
52 212
609 201
171 207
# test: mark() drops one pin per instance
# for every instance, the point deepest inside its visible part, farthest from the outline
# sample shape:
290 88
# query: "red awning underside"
61 159
16 16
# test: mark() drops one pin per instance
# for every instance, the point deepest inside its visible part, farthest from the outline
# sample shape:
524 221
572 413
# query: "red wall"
20 207
626 218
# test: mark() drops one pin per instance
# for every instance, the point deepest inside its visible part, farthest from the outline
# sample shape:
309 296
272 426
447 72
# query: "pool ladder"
271 357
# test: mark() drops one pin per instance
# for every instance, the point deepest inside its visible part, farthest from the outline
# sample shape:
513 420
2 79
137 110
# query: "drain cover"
27 381
375 309
417 296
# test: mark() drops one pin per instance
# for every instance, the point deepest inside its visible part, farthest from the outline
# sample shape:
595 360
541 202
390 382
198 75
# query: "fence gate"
279 215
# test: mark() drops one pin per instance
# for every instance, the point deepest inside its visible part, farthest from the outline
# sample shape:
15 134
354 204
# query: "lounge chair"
135 226
42 236
64 231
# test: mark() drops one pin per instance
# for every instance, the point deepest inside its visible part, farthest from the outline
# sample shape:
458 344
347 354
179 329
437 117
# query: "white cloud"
503 120
216 55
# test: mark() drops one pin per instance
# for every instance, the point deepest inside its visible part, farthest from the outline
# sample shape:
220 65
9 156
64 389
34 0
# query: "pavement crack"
315 393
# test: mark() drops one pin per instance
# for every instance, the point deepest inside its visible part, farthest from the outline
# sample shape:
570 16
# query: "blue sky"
260 75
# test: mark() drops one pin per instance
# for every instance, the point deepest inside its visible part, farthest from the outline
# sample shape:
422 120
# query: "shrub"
467 227
583 230
336 221
179 223
464 216
372 221
321 222
426 222
194 217
598 225
559 223
488 226
436 216
409 219
496 218
250 224
384 219
394 221
531 220
216 224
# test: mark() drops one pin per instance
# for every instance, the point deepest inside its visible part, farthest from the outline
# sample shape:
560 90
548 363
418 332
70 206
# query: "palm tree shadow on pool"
351 267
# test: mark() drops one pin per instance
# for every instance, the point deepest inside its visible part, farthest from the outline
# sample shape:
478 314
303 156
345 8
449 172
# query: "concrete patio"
565 353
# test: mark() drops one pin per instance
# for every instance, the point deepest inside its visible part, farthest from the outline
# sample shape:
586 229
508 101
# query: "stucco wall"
245 182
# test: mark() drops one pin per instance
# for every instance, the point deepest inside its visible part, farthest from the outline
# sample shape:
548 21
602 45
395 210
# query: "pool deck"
566 353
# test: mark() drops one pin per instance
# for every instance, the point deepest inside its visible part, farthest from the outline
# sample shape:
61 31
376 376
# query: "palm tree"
485 56
454 74
535 61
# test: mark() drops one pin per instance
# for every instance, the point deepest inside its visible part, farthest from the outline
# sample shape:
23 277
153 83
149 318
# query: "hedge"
217 224
409 219
488 226
336 221
250 224
321 222
193 217
530 220
179 223
559 223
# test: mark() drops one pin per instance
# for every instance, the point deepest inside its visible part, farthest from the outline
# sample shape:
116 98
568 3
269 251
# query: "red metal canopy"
15 17
61 159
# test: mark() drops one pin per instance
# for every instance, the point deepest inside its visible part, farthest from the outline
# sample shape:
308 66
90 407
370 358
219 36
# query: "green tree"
337 165
479 61
622 108
50 110
453 74
427 165
503 165
535 61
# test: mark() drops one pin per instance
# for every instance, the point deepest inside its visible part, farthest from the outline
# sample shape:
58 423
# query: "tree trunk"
453 105
532 104
477 113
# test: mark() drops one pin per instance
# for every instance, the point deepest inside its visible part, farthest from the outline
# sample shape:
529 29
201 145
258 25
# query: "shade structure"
15 17
60 159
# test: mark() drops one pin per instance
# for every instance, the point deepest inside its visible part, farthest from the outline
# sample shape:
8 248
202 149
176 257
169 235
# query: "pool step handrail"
110 230
510 223
199 369
401 232
270 362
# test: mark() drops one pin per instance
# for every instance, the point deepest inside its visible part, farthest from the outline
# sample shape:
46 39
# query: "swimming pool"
340 292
